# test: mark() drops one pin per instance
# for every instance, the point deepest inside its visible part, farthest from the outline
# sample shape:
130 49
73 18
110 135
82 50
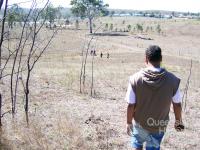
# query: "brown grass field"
62 118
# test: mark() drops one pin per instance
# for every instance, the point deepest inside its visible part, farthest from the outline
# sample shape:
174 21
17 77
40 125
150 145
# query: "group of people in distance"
93 53
108 55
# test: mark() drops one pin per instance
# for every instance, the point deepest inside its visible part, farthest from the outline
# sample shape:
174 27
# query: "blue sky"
173 5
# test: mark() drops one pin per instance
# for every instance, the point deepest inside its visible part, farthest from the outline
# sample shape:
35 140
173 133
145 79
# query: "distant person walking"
94 53
101 55
150 94
91 52
108 55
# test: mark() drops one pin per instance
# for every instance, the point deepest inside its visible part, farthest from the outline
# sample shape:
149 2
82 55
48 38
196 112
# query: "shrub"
106 26
111 27
94 25
129 27
158 29
139 27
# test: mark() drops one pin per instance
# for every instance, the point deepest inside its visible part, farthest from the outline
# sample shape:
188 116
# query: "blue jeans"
141 136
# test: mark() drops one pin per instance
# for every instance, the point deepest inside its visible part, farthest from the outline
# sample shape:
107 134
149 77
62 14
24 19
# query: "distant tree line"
15 14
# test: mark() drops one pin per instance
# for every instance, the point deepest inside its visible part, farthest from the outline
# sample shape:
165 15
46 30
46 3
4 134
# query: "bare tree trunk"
0 108
29 72
184 98
2 31
27 95
18 71
77 24
13 96
81 74
20 47
30 64
34 53
92 84
83 67
27 90
1 42
85 61
1 3
90 23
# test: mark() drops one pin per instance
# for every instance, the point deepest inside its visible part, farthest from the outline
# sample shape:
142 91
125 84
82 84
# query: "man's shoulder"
136 76
174 81
172 75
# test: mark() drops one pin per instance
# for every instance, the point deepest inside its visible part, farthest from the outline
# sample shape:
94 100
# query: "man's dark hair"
153 53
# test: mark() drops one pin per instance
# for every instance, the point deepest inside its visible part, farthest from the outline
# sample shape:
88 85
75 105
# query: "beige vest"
153 102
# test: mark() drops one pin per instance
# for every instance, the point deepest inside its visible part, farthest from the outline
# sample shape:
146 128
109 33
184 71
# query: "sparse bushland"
62 118
20 50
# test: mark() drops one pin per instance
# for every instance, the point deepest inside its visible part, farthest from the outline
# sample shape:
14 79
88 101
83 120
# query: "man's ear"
146 60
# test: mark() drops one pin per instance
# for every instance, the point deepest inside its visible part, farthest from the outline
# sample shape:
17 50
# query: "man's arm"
130 115
178 116
131 100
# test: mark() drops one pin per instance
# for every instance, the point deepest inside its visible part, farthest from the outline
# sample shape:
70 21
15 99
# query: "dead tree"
1 3
0 109
92 92
31 45
34 53
84 60
1 42
84 63
2 30
92 83
21 46
33 58
184 98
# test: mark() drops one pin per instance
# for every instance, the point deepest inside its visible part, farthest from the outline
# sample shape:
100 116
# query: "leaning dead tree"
2 31
28 44
85 52
1 45
185 93
92 90
19 49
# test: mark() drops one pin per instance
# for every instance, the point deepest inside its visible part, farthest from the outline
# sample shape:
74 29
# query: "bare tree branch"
86 55
13 95
184 98
35 61
1 3
22 70
92 83
2 32
1 42
8 112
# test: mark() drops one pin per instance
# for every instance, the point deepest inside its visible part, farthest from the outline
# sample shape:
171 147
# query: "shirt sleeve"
177 98
130 95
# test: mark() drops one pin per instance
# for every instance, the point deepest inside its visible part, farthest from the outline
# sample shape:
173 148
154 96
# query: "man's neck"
153 66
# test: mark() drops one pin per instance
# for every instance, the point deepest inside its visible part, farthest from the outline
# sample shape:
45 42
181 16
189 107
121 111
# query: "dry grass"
61 118
41 134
